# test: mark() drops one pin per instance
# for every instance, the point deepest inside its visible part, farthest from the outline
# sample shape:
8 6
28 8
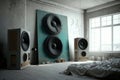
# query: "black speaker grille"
53 46
83 44
25 41
25 57
52 24
83 53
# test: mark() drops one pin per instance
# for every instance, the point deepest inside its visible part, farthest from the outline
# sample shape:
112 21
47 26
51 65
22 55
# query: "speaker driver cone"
83 53
52 24
25 41
25 57
53 46
83 44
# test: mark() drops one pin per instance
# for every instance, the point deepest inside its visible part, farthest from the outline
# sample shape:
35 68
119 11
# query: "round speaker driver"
83 44
53 46
25 41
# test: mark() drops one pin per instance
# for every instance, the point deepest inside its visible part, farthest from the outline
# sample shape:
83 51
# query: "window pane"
90 22
106 20
102 37
95 22
116 19
106 39
95 39
116 38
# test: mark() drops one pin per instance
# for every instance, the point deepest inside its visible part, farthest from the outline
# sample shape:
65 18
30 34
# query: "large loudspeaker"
19 48
52 24
53 46
80 48
52 34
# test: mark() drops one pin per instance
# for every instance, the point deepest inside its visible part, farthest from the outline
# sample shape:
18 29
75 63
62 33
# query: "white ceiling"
81 4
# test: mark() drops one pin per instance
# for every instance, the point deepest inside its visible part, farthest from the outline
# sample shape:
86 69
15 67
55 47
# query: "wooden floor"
41 72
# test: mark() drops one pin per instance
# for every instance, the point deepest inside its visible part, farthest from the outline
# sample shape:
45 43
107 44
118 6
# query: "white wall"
12 15
75 20
22 13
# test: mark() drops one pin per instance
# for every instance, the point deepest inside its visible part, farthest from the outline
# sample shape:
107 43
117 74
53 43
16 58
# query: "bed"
99 69
54 71
51 71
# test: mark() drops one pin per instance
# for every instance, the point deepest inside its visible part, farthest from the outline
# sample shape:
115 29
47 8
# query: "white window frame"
112 25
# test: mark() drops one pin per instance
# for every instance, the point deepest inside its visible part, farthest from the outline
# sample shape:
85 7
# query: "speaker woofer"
83 44
25 57
83 53
25 41
52 24
53 46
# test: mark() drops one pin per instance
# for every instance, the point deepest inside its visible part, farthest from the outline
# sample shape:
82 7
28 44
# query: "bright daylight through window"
104 33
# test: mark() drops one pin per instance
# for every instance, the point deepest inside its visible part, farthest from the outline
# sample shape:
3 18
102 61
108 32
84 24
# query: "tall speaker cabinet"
18 48
80 49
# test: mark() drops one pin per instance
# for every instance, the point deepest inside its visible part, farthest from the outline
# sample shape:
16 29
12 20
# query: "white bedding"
41 72
97 69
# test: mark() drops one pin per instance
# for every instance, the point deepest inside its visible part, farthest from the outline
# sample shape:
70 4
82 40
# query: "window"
104 33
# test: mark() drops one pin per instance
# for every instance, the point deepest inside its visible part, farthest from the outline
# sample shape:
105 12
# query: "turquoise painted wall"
42 35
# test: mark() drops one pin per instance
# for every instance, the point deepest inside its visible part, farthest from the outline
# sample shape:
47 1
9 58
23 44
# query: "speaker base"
83 59
25 64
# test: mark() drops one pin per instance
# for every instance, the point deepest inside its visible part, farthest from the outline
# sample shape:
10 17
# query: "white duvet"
97 69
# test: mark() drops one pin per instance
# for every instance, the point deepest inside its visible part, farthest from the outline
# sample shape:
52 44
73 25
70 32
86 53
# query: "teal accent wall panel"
42 35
